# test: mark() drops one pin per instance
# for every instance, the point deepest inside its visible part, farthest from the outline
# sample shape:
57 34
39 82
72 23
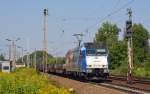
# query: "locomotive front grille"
98 70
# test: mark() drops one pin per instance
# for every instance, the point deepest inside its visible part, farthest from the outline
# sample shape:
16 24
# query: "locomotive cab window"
90 52
101 51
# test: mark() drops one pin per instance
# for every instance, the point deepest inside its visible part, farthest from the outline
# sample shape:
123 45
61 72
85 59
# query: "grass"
137 71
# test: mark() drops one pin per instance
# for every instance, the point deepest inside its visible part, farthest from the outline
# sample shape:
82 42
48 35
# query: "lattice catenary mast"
45 41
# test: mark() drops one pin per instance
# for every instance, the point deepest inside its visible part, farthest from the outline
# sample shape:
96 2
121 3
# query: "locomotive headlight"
89 70
89 66
106 70
104 66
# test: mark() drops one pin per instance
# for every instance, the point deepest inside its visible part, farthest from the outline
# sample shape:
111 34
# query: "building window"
6 68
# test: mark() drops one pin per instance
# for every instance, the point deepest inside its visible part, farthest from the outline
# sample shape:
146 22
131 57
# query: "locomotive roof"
89 45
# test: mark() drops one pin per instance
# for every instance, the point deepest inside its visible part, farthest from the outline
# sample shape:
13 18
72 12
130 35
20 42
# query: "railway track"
135 79
140 88
119 83
123 88
139 85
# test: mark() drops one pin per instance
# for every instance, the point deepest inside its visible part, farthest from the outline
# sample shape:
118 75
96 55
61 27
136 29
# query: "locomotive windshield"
94 52
90 52
101 51
95 49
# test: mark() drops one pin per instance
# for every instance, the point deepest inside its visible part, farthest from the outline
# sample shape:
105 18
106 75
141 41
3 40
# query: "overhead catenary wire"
105 17
110 14
114 11
115 6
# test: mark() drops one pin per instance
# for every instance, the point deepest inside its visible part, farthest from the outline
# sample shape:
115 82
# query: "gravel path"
83 88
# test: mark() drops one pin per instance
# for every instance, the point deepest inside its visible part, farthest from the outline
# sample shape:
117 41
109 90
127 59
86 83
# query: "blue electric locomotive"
90 60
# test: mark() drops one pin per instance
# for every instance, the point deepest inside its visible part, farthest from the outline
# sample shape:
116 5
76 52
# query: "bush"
122 70
27 81
143 71
140 70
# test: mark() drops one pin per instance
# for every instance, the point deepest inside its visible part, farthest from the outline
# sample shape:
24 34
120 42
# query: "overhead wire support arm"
79 38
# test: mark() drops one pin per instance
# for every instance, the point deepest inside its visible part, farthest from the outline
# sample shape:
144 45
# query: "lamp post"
21 52
25 58
13 51
9 52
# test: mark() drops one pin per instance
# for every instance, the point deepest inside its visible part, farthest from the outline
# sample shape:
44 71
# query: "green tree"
140 43
2 57
108 34
39 56
118 55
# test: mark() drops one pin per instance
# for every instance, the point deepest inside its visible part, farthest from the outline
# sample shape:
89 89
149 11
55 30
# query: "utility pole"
45 44
10 56
79 38
9 52
35 59
129 43
28 61
14 53
21 53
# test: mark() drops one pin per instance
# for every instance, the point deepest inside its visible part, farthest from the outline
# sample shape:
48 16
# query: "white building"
5 66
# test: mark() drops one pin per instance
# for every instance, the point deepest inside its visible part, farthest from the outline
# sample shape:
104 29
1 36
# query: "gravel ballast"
82 87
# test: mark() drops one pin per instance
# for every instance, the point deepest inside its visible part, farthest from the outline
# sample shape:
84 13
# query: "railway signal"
129 43
129 29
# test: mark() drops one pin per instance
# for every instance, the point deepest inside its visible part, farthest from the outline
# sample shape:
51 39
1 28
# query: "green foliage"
39 56
108 33
51 60
118 55
56 60
121 70
139 72
2 57
143 70
27 81
140 43
147 66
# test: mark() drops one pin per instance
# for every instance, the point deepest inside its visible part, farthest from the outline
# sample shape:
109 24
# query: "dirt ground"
83 88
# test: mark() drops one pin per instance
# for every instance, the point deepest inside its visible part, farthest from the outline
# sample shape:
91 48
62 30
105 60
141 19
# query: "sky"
24 19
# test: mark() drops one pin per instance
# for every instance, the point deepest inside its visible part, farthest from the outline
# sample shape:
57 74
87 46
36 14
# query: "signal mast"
129 44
